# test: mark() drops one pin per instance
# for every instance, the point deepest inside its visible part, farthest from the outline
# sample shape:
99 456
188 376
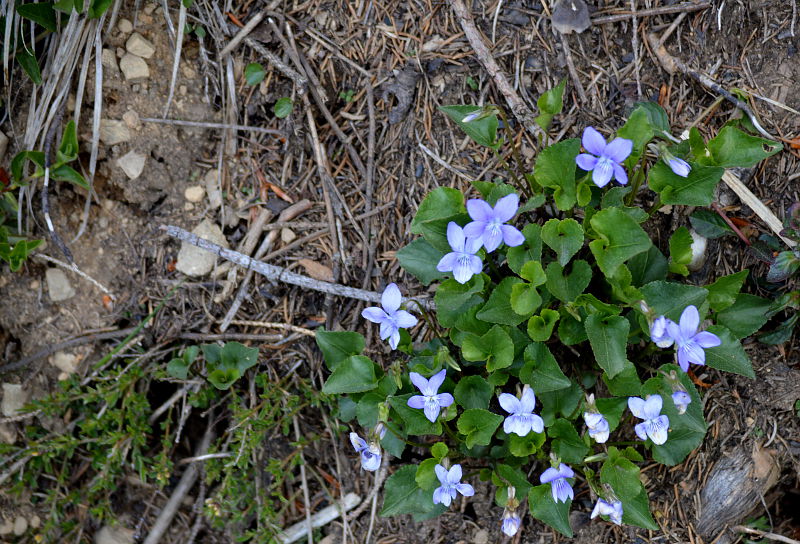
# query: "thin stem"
514 149
655 207
637 183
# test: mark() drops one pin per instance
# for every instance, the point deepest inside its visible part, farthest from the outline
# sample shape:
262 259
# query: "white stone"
109 60
133 67
14 399
150 8
35 522
66 362
20 525
140 46
113 535
124 25
3 145
113 132
212 186
7 436
195 193
132 163
58 285
194 261
131 119
287 235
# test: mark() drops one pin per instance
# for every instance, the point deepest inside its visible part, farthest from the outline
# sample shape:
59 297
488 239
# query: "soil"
421 60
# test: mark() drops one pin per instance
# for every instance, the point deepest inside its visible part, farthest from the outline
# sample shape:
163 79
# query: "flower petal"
387 329
694 353
455 236
436 382
600 436
441 496
512 236
679 167
479 210
431 410
419 381
463 269
505 208
674 331
658 429
549 475
652 406
370 461
707 339
517 425
448 262
510 403
474 229
404 319
690 320
391 298
565 471
602 173
562 490
620 174
683 359
394 338
641 430
586 162
465 489
492 237
441 473
358 442
374 314
417 402
454 475
636 406
593 141
619 149
445 399
537 423
528 400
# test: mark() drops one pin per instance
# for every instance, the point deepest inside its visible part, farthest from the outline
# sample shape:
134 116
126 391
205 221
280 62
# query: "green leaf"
177 368
439 451
402 495
494 347
622 475
732 148
567 288
98 7
608 337
419 259
239 356
367 409
41 13
670 299
656 116
352 375
508 475
68 150
223 378
67 6
637 129
530 250
483 131
648 266
30 65
565 237
624 384
550 104
730 355
525 299
540 327
637 512
746 316
555 168
415 421
426 475
337 346
524 446
709 224
541 370
478 426
544 508
473 392
680 251
563 401
283 107
567 444
697 189
453 299
254 73
65 172
498 309
439 207
620 239
347 409
532 271
613 408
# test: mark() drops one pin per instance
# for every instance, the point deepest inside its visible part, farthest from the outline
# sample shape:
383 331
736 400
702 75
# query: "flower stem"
637 183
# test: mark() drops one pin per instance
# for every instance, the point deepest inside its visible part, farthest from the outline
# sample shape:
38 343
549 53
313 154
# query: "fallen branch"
276 273
323 517
765 534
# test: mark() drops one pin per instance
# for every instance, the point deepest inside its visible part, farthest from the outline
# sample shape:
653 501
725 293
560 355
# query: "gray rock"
195 193
66 362
570 16
132 163
58 285
109 60
194 261
212 187
133 67
124 26
113 535
14 398
3 145
20 525
113 132
140 46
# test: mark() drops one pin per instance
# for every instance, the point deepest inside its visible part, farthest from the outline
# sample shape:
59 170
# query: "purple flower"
472 116
659 333
522 419
613 510
511 522
655 426
603 160
557 478
598 426
370 453
681 400
451 485
679 167
431 401
462 261
688 341
487 222
391 318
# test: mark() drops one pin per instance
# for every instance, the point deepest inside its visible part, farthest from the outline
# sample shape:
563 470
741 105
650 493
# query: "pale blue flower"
679 167
655 426
681 400
431 401
557 478
451 485
522 419
604 160
613 510
659 333
511 522
488 223
370 453
391 318
690 343
597 425
462 261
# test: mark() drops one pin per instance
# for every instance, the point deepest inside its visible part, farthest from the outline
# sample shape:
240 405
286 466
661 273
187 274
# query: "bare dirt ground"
382 69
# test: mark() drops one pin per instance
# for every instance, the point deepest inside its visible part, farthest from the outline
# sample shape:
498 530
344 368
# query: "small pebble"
140 46
188 206
35 522
35 285
287 235
182 90
188 72
14 398
131 119
195 193
132 163
125 26
58 286
150 8
134 67
20 525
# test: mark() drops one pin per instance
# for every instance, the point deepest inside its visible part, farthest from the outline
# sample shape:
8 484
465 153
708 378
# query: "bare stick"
573 72
177 58
282 67
269 325
686 7
276 273
203 124
635 46
520 110
74 268
321 518
765 534
242 34
756 205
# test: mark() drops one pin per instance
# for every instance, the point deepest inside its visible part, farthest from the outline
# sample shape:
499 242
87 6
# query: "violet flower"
451 485
598 426
391 318
679 167
604 160
487 222
431 401
613 510
511 522
462 261
370 453
659 334
655 426
690 343
681 400
557 478
522 419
